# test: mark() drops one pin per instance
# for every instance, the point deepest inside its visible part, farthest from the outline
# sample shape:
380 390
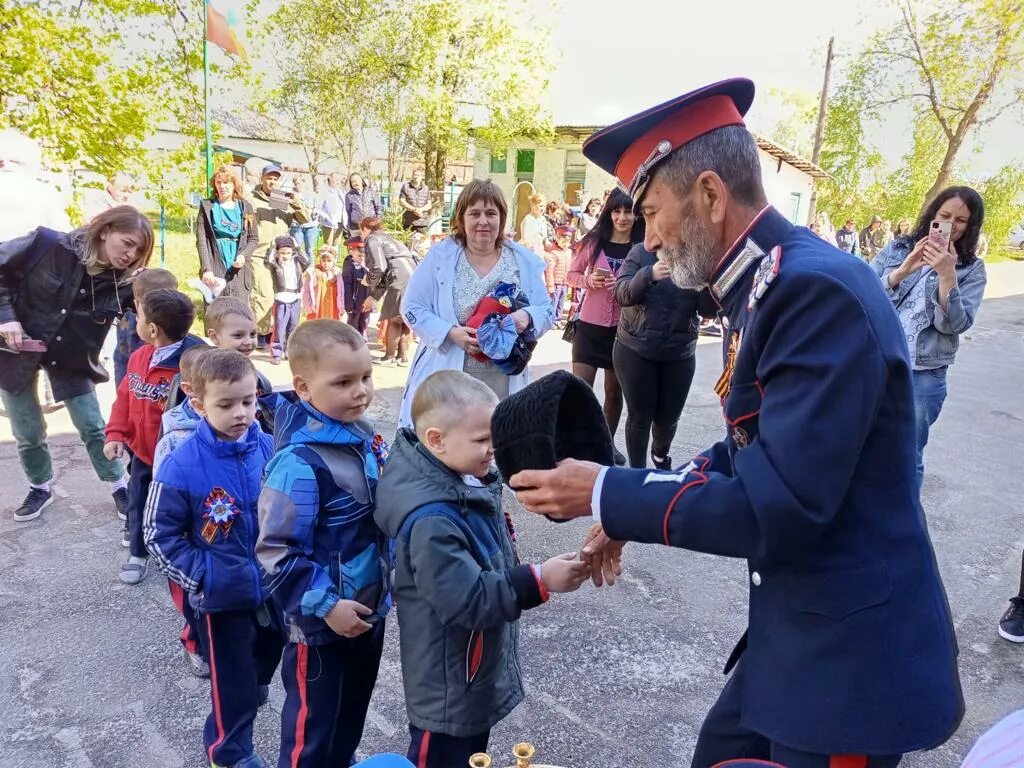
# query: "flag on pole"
222 31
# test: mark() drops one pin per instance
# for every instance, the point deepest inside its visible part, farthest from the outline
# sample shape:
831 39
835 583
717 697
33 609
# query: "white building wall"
788 188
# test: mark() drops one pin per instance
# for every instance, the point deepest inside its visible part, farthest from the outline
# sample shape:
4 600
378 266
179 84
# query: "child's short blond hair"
189 360
150 280
224 307
310 337
443 398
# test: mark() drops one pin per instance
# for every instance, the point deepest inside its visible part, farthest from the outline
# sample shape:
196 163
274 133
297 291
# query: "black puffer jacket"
44 286
659 320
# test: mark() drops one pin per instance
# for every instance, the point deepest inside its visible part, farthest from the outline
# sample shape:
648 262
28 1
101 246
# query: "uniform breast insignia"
220 514
767 271
740 437
724 382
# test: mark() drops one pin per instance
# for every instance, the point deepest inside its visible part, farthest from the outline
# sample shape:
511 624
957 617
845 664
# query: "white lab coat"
428 306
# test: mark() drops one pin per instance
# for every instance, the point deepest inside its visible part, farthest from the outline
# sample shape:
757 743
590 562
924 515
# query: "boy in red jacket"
164 318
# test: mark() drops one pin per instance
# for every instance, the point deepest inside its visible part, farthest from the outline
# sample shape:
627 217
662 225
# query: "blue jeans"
558 300
929 395
29 428
306 238
286 320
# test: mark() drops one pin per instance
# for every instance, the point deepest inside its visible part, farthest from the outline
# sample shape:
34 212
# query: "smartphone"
940 234
603 273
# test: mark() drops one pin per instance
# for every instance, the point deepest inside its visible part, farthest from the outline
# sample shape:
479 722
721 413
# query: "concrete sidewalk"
93 674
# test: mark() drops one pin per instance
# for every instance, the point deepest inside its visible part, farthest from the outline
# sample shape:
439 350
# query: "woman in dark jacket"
59 294
226 236
653 354
390 264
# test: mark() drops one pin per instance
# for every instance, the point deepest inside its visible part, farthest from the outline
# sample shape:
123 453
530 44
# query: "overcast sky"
621 56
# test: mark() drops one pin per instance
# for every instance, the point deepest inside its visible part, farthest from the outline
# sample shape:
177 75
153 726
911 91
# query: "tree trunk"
946 169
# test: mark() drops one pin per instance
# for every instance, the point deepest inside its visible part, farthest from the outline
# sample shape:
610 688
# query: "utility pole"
819 130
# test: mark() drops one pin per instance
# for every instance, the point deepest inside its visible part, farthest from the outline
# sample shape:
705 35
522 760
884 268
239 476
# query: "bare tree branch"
910 23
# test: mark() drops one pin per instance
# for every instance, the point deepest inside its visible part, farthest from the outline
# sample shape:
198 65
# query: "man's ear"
713 196
434 440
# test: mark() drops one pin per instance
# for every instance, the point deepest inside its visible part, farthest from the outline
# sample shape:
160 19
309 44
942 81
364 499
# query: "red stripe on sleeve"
701 479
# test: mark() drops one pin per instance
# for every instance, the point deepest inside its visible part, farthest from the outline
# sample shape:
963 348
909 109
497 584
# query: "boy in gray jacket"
457 576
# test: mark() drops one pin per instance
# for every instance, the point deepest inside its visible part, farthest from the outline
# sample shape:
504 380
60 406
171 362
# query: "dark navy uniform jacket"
850 646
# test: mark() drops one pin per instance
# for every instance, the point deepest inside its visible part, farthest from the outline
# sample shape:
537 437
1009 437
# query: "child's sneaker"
196 664
133 572
1011 626
37 500
126 540
121 503
385 361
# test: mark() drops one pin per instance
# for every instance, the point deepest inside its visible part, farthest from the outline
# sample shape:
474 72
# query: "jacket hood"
413 477
181 417
298 423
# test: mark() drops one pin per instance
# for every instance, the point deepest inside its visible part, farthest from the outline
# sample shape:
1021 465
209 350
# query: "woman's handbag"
569 332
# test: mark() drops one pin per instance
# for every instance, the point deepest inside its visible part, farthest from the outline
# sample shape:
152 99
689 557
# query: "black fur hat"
556 417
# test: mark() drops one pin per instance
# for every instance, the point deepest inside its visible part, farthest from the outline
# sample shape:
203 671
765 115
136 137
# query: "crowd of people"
287 525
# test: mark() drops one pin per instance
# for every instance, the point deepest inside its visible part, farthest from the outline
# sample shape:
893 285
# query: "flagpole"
206 104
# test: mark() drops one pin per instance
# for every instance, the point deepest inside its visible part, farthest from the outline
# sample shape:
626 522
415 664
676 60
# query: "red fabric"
178 598
848 761
424 750
678 128
558 267
487 306
141 397
544 594
216 691
301 669
476 655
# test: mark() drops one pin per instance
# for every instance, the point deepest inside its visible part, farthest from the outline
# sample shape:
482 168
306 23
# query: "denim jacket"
937 344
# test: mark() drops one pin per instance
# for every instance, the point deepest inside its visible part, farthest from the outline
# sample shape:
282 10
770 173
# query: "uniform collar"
767 229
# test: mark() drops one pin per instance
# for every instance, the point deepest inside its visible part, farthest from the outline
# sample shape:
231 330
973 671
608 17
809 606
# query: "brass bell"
479 760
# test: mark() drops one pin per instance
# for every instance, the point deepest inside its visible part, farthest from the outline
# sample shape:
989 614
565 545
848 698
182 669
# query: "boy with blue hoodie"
325 558
458 577
200 527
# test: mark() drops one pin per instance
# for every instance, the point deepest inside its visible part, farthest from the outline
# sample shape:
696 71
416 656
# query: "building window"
499 162
524 163
794 206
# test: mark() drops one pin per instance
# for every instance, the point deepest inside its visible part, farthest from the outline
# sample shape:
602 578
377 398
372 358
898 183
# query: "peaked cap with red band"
633 147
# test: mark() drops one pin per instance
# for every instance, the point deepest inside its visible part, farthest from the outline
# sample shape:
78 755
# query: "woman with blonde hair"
59 294
226 237
454 276
533 230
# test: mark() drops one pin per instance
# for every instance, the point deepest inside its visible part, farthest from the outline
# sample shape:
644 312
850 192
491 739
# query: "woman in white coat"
452 279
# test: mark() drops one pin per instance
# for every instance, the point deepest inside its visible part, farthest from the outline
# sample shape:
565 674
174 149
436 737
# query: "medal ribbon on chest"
220 514
724 382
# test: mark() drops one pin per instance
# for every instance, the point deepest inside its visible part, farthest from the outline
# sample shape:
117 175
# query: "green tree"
959 67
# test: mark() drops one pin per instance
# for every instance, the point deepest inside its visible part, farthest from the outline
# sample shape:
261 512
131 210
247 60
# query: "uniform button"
53 364
756 578
63 311
82 291
58 338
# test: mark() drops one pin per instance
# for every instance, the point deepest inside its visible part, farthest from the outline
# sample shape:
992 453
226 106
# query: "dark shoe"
1011 626
121 503
196 664
620 460
33 505
665 463
264 695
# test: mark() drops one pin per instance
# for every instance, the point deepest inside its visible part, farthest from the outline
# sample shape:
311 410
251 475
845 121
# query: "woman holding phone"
936 282
598 258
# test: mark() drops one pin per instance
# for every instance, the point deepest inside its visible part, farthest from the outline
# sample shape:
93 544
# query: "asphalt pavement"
92 675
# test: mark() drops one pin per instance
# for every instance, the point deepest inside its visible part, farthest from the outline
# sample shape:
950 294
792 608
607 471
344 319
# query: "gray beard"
692 263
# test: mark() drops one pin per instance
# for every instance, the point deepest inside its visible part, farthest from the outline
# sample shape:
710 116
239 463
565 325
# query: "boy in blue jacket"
325 558
200 527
